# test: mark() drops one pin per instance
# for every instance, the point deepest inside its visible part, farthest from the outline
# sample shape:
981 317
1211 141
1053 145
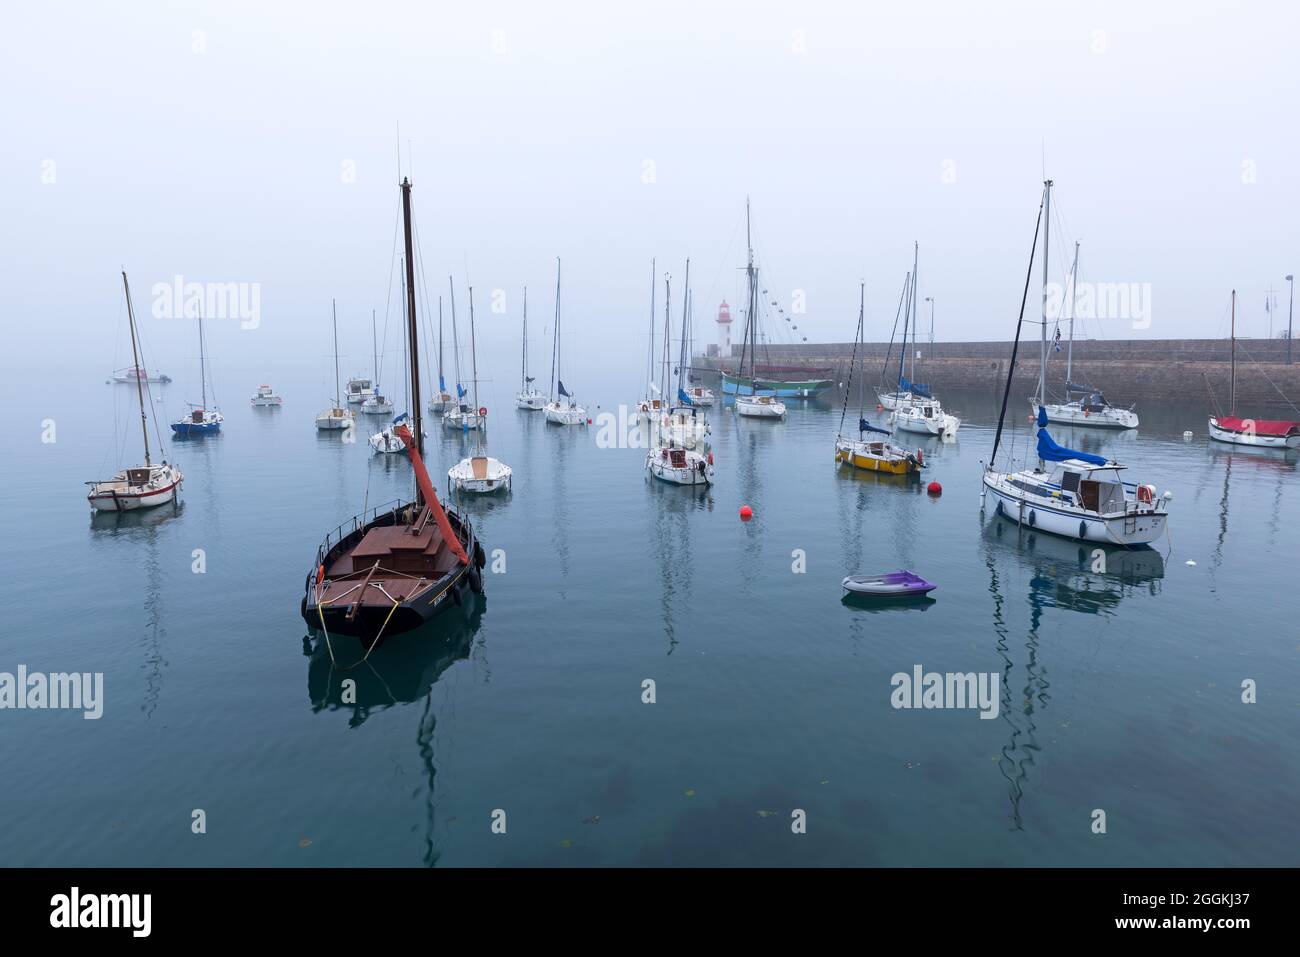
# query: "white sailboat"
376 403
140 486
651 405
458 416
678 455
1083 404
915 408
1259 433
561 409
527 397
200 420
339 417
748 402
440 401
387 441
480 472
868 454
1073 494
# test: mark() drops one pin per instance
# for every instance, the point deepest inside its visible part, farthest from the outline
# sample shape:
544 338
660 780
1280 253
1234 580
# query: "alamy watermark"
179 299
1125 301
78 691
932 689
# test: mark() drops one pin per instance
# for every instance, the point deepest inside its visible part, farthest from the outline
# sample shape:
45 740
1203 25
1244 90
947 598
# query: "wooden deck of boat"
405 556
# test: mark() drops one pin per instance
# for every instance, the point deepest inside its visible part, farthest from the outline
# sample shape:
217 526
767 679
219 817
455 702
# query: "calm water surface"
1120 690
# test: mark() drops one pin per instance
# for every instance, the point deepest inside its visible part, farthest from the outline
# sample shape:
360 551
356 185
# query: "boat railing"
355 524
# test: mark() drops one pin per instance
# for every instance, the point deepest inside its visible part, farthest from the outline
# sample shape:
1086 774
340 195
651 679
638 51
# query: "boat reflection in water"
400 671
1087 577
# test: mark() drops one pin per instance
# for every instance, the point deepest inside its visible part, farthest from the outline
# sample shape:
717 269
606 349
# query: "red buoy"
482 411
934 488
746 513
879 407
589 420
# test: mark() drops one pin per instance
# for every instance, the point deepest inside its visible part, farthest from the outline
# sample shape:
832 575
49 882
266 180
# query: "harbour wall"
1126 371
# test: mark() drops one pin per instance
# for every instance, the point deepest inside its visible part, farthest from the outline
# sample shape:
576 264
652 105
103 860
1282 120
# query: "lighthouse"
724 330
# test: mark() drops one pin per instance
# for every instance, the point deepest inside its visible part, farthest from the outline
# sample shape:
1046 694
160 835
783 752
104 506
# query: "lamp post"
1290 278
930 300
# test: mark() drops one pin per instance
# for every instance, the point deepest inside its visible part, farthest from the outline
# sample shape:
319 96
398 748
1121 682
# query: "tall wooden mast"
135 357
411 325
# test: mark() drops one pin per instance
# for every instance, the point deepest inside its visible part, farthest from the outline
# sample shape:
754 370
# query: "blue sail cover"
460 391
442 384
683 398
916 388
1049 451
865 426
565 392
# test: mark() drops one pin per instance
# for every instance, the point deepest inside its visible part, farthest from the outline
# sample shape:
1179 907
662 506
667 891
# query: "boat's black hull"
370 620
373 621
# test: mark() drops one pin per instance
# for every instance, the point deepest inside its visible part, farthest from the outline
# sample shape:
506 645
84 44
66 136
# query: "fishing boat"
396 566
899 584
1260 433
750 401
338 417
141 486
136 374
868 454
459 416
479 472
561 409
1083 405
265 395
200 420
441 399
358 389
527 397
677 455
1073 494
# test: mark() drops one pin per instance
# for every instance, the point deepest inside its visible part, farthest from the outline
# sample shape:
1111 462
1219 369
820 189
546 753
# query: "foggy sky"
214 140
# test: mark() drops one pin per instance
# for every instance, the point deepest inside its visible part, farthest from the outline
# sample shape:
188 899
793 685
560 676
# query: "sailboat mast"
523 385
1074 300
663 368
374 351
414 344
555 342
1047 237
203 372
861 338
907 314
135 357
650 354
916 256
1233 388
473 356
335 313
441 386
681 361
749 312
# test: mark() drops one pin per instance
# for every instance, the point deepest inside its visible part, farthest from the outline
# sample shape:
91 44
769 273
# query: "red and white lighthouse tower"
724 330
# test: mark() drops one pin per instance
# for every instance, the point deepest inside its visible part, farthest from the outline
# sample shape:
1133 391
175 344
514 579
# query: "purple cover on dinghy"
902 582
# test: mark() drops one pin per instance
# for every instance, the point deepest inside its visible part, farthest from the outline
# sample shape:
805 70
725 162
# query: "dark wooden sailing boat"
396 566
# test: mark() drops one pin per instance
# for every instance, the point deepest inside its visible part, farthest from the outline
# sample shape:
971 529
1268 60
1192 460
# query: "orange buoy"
746 513
320 575
934 488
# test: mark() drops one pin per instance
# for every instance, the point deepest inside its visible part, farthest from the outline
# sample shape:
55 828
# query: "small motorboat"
900 584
